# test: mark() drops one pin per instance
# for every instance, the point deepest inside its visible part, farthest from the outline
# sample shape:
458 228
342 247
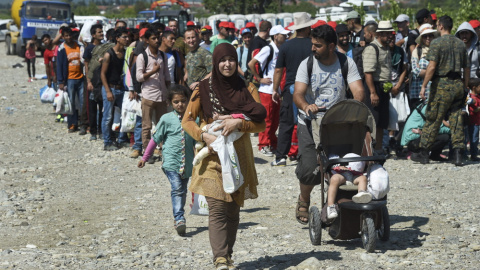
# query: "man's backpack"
344 67
358 57
137 86
258 66
97 72
97 54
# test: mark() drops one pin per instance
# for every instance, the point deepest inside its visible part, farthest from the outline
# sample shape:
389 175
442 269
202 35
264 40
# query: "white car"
3 29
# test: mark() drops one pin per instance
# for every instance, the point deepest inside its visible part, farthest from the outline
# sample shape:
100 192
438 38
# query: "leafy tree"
140 5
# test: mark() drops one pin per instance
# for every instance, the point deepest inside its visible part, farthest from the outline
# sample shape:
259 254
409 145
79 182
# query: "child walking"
474 117
30 57
177 152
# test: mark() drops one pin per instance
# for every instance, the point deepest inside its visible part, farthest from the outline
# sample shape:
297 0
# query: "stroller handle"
311 115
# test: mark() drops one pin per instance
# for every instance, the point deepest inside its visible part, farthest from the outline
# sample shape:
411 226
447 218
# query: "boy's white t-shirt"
327 83
261 57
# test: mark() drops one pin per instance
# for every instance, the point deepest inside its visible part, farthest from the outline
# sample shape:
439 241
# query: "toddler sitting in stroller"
352 174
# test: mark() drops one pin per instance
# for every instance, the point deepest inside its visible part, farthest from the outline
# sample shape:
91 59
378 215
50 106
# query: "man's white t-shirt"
327 84
171 65
261 57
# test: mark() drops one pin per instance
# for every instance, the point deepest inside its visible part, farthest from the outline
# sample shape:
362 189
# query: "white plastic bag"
129 119
378 181
48 95
134 105
199 205
116 119
398 110
57 101
64 106
231 174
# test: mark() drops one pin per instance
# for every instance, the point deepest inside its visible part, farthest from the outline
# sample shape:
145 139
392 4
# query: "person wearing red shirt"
49 60
474 117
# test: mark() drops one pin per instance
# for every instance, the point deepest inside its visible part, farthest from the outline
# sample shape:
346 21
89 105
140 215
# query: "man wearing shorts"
328 88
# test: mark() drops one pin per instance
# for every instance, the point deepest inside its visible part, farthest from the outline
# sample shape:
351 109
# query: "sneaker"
180 227
332 212
221 263
293 160
135 154
93 138
83 131
266 151
59 117
279 162
72 129
110 147
362 197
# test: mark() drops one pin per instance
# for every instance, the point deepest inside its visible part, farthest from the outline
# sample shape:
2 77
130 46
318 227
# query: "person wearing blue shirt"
344 46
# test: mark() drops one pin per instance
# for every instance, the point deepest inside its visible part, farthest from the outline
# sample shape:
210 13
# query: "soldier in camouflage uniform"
448 58
198 60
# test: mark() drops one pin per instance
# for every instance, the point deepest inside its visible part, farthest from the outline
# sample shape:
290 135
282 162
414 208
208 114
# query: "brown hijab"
227 95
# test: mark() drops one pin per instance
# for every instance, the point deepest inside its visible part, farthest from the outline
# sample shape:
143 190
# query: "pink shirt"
154 88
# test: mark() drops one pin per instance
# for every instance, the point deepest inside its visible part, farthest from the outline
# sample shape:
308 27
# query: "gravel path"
65 203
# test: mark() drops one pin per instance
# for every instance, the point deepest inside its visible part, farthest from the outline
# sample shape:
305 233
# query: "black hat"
341 28
422 13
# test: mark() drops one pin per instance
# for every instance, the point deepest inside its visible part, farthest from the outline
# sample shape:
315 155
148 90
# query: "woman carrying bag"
224 93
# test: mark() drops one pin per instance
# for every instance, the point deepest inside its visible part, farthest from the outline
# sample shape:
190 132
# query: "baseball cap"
352 15
231 25
250 24
318 23
422 13
246 31
341 28
474 23
278 29
289 25
223 24
190 23
402 18
333 24
434 16
142 32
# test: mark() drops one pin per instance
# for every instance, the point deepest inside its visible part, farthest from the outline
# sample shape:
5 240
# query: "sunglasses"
431 36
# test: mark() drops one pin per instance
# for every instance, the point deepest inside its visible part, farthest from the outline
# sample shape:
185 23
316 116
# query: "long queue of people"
185 83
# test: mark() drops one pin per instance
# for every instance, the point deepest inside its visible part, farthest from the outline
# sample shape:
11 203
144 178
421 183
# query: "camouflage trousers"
446 97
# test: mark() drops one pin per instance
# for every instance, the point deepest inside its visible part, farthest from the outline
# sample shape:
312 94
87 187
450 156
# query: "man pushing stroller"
321 82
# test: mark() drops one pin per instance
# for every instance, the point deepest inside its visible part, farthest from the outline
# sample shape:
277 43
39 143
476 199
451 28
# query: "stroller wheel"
369 235
315 226
384 231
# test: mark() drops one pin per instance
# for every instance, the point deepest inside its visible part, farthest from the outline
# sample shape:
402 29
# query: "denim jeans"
473 131
137 135
107 120
178 193
75 90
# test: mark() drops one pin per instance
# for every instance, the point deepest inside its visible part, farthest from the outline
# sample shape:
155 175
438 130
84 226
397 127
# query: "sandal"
302 214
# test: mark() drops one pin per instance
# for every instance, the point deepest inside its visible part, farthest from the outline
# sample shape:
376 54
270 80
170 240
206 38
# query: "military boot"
421 156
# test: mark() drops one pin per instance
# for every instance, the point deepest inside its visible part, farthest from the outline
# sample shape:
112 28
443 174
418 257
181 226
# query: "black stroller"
348 127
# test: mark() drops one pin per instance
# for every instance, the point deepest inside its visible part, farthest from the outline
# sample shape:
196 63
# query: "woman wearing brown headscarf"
224 93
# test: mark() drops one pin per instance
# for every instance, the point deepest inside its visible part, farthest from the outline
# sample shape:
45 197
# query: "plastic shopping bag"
131 105
62 100
378 181
48 95
129 119
42 90
116 119
199 205
231 174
